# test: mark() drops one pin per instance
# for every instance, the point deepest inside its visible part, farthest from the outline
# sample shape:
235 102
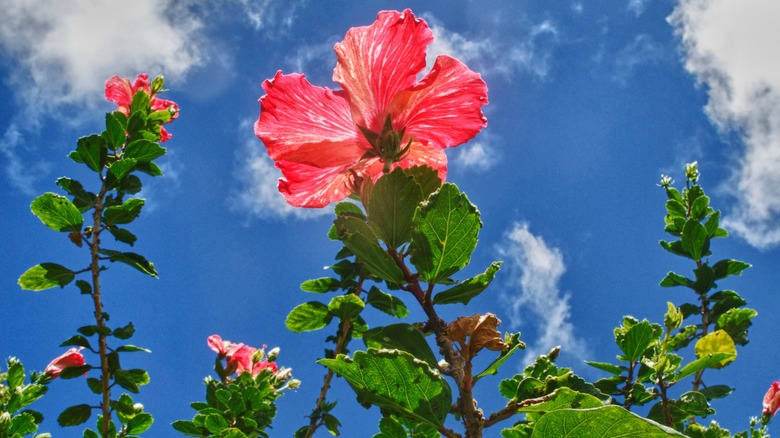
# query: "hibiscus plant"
376 149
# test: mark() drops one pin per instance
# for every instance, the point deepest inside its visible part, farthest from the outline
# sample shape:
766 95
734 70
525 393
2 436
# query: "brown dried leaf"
481 332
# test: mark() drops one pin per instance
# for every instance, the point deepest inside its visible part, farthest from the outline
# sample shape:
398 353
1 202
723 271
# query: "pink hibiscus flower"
240 356
325 142
120 91
70 358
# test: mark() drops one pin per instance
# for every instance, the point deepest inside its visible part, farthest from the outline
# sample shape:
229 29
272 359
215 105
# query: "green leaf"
727 268
132 349
139 424
22 424
82 199
188 428
515 343
92 152
694 239
32 393
390 428
395 381
143 151
387 303
78 341
122 235
15 374
447 225
639 338
307 317
604 422
120 169
426 177
74 371
346 306
736 322
564 398
400 336
125 332
321 285
465 291
700 207
57 212
673 279
141 102
716 342
95 385
149 168
359 238
125 380
216 423
710 360
394 199
74 415
115 132
124 213
137 261
716 391
45 276
675 208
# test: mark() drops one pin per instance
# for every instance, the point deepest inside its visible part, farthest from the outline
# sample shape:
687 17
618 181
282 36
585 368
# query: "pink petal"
119 91
422 155
216 344
377 61
306 124
444 108
305 185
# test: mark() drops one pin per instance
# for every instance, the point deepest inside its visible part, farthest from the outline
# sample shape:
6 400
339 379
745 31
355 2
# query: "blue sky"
590 102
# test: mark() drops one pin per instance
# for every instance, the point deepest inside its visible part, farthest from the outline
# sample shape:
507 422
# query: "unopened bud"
284 374
294 383
692 171
157 84
666 181
273 354
258 356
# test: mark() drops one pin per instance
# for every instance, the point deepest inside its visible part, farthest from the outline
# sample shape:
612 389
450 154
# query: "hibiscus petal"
444 108
306 124
119 91
310 186
421 155
375 62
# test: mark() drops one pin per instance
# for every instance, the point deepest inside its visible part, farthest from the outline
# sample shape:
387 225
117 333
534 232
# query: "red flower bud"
71 358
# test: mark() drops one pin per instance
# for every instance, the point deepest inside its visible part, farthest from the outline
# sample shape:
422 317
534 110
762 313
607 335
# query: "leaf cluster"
15 395
236 408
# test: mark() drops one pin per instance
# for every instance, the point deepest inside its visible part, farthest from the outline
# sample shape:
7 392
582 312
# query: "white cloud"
476 155
536 270
259 195
64 51
730 47
503 56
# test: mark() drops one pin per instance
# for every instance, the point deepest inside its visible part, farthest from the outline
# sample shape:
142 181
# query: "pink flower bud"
71 358
772 400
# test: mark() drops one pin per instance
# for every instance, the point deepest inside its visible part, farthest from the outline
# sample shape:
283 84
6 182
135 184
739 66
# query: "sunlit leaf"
45 276
397 382
57 212
604 422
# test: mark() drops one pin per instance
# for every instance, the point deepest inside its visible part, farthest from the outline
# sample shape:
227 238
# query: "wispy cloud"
730 47
637 6
640 51
536 270
504 56
258 195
